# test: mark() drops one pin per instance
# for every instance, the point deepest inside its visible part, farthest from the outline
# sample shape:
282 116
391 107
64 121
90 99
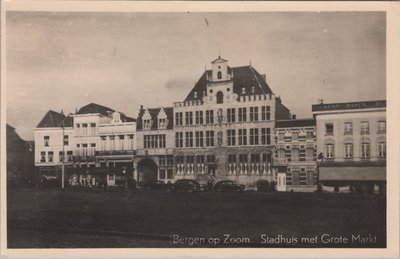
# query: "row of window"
85 129
50 156
122 143
46 140
295 136
207 117
296 154
348 128
190 159
201 139
154 141
365 149
301 178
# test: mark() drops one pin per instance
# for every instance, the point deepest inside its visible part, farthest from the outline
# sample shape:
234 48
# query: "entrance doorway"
147 171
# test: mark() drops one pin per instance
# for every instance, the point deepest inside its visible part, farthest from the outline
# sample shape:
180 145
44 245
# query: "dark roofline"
306 122
349 105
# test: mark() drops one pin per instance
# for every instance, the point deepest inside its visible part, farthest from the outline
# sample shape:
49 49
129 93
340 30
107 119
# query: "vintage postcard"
207 129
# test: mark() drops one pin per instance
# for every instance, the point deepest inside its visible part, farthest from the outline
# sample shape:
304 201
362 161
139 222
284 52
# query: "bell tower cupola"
220 70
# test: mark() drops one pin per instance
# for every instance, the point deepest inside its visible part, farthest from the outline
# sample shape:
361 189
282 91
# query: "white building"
351 142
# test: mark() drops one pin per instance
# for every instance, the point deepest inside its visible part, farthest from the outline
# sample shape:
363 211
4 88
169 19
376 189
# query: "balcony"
116 153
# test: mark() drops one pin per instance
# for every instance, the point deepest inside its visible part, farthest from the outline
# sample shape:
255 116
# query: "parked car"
186 185
228 186
206 182
155 185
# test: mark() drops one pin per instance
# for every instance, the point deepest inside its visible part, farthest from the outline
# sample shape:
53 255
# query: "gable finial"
250 62
219 53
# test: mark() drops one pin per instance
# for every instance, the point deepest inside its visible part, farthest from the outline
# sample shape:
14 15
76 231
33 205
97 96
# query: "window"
243 158
69 156
61 156
242 137
179 139
295 136
131 141
199 138
65 140
365 150
329 129
348 128
178 118
281 155
209 116
112 142
242 114
281 136
220 97
265 113
231 158
200 159
147 124
162 123
231 134
84 149
199 117
266 158
50 155
310 135
219 75
253 136
42 157
84 129
231 114
253 113
365 127
255 158
189 139
46 141
189 118
210 159
179 159
265 136
92 129
295 154
209 138
348 150
381 127
121 139
161 174
382 150
329 151
309 154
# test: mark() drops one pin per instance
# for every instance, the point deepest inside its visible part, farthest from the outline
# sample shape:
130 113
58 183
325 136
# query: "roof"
243 77
219 59
54 119
154 113
295 123
349 105
95 108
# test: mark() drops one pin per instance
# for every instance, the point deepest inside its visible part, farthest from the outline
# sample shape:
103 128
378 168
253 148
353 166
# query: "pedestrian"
105 185
336 190
132 186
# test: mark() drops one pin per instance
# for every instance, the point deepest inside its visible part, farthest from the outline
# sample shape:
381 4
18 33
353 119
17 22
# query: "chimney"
264 76
293 116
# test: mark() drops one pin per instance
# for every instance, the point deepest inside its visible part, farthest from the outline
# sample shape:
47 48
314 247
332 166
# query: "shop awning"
352 173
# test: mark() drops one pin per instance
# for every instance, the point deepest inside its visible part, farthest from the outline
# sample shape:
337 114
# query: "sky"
65 60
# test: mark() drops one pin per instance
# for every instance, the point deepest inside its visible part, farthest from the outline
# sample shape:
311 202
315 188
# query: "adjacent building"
295 155
95 144
351 143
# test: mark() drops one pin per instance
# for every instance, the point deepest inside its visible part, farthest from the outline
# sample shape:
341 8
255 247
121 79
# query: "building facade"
295 154
351 141
224 129
95 144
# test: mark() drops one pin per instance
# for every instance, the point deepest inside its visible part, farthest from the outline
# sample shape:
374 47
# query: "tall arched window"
219 75
220 97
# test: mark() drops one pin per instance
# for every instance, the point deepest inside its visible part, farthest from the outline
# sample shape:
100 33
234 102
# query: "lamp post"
63 157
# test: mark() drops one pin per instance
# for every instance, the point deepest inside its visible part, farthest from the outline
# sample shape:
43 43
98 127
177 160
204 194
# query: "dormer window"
243 90
219 75
147 122
252 89
195 94
162 119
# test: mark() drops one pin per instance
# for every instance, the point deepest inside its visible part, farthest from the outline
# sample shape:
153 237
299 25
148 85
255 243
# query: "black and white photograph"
196 129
